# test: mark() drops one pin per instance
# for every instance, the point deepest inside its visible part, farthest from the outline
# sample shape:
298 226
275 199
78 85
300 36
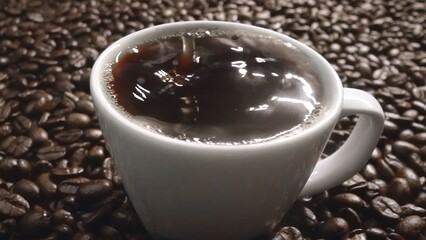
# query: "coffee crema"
231 89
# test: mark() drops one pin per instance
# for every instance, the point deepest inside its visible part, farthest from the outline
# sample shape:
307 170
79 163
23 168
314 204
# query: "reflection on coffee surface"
217 89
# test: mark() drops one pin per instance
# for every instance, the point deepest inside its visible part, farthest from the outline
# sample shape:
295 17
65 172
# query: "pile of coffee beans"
57 180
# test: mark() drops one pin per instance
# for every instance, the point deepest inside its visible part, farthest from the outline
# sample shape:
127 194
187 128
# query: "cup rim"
99 94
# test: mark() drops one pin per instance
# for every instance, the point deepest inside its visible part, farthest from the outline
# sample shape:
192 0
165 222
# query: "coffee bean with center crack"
51 153
21 124
71 186
288 233
12 205
16 146
386 207
68 136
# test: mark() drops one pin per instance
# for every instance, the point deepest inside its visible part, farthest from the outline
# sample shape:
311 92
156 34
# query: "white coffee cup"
187 190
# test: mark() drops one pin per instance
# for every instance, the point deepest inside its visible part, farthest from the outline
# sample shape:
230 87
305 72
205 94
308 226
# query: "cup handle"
357 149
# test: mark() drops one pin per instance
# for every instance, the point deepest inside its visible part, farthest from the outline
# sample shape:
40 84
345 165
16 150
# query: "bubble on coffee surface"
240 88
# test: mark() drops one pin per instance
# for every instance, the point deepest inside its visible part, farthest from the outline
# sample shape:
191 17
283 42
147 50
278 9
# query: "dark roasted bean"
12 169
350 200
12 205
71 186
411 209
411 177
94 190
21 124
411 226
376 233
68 136
51 153
16 146
39 135
27 189
334 227
77 120
399 189
35 223
386 207
47 187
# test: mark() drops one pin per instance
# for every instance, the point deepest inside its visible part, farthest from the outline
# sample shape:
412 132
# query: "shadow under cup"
188 190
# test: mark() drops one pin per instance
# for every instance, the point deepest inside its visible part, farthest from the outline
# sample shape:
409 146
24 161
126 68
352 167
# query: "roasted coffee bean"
411 209
399 189
349 200
384 170
96 153
376 233
68 136
334 227
5 129
85 106
403 148
62 216
51 153
93 134
21 124
39 135
410 227
97 218
416 163
94 190
12 205
357 234
351 216
5 111
35 223
46 185
421 200
12 169
77 120
386 207
108 233
78 156
288 233
60 173
71 186
16 146
127 219
27 189
40 167
411 177
369 172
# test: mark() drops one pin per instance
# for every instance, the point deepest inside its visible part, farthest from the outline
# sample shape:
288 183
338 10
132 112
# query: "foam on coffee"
240 88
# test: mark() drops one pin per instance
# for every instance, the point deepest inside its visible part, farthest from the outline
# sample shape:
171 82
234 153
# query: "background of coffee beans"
57 180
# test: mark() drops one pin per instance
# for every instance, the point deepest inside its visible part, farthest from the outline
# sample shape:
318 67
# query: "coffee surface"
234 89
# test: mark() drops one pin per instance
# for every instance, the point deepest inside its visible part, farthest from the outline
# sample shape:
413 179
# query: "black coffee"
227 89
